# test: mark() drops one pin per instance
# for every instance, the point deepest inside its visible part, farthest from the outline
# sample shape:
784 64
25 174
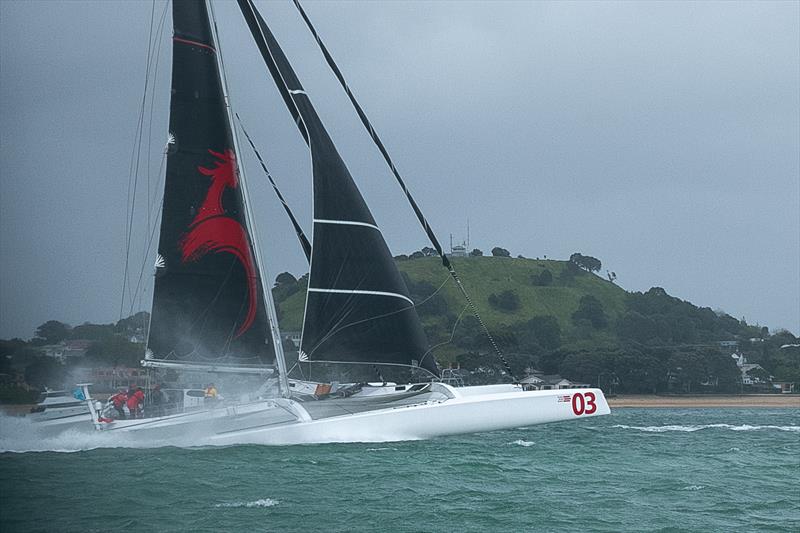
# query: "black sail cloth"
208 302
358 308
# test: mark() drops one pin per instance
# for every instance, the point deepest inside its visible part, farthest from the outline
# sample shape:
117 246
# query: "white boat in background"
364 371
58 410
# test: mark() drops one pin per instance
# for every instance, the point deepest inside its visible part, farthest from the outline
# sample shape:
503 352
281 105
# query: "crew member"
135 402
211 394
118 401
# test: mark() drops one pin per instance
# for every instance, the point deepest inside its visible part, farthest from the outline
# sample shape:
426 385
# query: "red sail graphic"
212 231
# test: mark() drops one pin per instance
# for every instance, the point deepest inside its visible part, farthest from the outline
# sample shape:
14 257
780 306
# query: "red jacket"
135 400
119 399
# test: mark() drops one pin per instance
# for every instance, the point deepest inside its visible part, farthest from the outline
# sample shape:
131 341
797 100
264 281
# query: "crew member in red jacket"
135 402
118 401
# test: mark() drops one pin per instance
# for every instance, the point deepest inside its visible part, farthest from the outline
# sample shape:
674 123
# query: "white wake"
700 427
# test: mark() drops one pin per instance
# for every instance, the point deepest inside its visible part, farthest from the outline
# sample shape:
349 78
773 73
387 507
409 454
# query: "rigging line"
428 230
157 56
259 30
156 207
337 329
256 24
452 334
297 229
135 156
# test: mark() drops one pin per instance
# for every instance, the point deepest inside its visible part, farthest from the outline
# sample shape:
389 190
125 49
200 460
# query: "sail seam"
346 223
369 293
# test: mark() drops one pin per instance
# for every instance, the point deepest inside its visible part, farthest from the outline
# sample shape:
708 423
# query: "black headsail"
358 308
208 303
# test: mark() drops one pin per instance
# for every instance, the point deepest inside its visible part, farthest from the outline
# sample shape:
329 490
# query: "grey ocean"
636 470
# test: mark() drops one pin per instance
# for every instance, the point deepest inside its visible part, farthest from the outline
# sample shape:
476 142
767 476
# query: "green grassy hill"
483 276
575 323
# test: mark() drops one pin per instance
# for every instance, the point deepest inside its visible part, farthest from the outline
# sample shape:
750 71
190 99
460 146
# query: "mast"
272 317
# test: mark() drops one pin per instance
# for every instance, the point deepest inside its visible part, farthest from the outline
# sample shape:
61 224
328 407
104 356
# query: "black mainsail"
208 302
358 309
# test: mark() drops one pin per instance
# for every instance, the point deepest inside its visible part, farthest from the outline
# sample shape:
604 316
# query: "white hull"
457 411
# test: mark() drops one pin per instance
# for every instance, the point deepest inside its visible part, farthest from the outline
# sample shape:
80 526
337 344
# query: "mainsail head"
208 302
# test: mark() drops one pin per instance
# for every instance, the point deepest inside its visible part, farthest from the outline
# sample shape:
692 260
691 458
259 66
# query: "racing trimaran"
364 371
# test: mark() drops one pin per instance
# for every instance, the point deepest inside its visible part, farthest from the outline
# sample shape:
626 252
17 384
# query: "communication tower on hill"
460 250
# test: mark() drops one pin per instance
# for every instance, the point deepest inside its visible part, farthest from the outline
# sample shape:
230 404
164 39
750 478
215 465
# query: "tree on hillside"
505 301
285 285
500 252
424 294
586 262
547 331
542 279
115 351
636 327
45 372
475 253
136 323
53 331
583 366
537 334
590 308
687 370
427 251
92 331
285 278
416 255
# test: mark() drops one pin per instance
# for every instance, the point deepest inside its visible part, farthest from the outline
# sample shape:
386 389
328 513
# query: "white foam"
525 443
699 427
20 434
265 502
693 487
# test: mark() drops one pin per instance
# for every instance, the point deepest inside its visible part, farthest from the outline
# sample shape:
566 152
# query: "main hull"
458 415
448 411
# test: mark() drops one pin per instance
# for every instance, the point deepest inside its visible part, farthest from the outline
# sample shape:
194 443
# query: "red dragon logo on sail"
213 232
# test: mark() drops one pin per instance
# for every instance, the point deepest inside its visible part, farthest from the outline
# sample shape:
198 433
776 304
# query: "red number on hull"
584 404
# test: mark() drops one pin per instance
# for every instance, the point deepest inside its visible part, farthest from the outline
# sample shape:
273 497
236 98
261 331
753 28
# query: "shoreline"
789 401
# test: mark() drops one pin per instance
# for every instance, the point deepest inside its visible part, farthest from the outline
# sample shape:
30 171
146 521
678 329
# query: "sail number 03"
583 403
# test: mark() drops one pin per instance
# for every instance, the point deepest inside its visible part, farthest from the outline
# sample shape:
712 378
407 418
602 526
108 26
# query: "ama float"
363 371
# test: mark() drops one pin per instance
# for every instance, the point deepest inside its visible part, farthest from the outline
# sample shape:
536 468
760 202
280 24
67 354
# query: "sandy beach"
744 400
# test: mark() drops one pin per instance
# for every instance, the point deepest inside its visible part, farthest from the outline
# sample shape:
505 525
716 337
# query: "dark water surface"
725 469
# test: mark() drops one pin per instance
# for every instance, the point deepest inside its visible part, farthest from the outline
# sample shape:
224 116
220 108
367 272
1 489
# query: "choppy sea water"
721 469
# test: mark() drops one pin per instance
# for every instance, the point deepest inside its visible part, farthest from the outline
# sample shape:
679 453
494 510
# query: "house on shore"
540 381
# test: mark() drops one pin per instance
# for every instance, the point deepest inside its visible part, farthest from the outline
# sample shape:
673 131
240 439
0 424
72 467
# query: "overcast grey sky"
662 138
